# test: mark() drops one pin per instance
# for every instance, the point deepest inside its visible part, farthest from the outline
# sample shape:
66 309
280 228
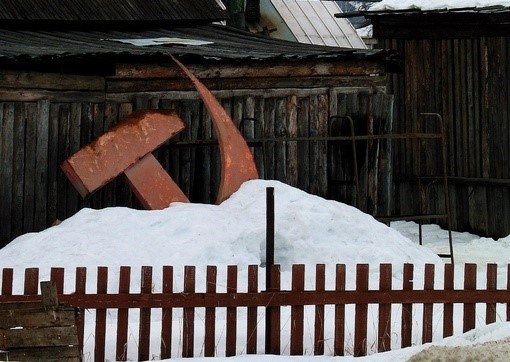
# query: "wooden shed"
457 63
72 69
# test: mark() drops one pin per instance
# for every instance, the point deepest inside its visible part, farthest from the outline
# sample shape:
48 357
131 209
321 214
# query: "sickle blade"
237 161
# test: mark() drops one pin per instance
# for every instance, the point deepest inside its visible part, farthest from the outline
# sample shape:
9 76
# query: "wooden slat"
6 155
469 308
36 318
361 311
63 152
81 282
31 286
64 354
41 165
384 325
144 335
18 170
280 130
492 280
231 334
322 130
428 307
53 162
57 276
166 318
251 333
297 312
273 316
339 312
303 147
188 319
269 132
210 314
258 152
7 278
100 328
123 316
292 147
407 308
50 81
314 146
448 307
37 337
320 285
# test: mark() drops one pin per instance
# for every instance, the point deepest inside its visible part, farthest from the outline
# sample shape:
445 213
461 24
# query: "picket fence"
270 300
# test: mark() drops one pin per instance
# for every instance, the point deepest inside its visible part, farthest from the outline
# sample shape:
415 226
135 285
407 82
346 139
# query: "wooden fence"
272 301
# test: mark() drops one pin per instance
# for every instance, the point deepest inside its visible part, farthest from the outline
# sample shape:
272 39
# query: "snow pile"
309 230
435 4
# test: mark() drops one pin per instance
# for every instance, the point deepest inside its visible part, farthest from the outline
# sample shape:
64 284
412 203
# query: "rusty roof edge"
473 9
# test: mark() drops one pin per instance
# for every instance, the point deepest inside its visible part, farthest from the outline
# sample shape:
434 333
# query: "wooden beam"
301 69
51 81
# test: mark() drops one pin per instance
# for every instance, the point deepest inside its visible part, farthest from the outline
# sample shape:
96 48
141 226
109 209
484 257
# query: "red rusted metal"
112 153
237 161
152 185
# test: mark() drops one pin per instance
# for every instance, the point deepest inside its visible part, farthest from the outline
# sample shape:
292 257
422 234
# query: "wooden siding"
467 81
41 128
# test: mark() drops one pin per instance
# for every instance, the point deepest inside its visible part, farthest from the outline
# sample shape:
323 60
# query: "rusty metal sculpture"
127 149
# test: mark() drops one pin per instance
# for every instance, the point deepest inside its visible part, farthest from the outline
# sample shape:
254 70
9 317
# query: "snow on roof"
426 5
313 22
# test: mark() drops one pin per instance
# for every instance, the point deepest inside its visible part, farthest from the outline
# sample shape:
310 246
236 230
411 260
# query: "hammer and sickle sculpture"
127 148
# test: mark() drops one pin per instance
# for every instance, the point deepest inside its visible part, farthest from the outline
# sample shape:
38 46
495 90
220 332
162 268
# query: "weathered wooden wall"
40 128
467 81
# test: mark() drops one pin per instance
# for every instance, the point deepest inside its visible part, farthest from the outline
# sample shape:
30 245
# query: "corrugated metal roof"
24 11
411 11
313 22
218 42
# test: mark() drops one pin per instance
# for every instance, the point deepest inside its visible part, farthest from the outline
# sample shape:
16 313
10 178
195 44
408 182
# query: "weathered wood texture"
41 131
419 295
42 331
467 81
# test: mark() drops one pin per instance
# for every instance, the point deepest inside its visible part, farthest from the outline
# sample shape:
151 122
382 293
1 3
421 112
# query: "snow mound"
309 230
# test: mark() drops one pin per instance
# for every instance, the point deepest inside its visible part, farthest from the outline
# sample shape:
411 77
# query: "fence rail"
271 300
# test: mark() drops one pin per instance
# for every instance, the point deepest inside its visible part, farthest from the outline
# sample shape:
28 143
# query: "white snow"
309 230
435 4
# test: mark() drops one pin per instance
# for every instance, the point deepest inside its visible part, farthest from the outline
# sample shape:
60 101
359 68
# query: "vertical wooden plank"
323 116
428 307
123 315
231 334
79 289
339 312
320 286
303 112
361 311
100 330
73 198
492 279
269 147
57 275
6 159
204 160
188 319
63 153
53 163
185 153
273 326
7 278
210 314
41 165
280 130
314 145
18 171
258 134
251 333
31 286
166 314
469 308
30 164
292 147
448 307
407 309
297 312
145 316
384 325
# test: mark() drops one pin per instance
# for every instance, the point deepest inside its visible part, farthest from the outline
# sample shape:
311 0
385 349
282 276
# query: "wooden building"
457 63
72 69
